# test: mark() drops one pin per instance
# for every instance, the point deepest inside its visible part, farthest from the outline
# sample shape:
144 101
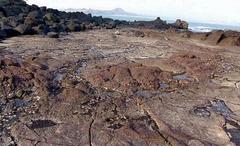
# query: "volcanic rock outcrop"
19 18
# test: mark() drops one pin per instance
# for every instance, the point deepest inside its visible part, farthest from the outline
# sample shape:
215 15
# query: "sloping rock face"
231 38
224 38
217 37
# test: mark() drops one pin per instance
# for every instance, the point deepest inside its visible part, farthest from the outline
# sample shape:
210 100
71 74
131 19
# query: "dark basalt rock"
2 12
73 26
12 7
156 24
25 18
111 25
9 31
41 29
24 29
51 17
2 34
179 24
30 19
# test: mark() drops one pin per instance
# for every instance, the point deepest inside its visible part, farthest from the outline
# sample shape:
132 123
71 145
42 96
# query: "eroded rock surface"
102 88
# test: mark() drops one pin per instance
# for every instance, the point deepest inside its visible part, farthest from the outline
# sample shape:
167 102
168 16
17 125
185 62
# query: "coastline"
73 79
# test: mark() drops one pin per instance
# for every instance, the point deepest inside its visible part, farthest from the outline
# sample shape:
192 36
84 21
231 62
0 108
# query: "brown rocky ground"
116 87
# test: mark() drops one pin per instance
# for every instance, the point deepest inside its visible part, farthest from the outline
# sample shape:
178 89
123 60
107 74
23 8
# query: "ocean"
193 26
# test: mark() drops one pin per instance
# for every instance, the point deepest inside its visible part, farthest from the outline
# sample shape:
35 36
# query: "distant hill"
116 11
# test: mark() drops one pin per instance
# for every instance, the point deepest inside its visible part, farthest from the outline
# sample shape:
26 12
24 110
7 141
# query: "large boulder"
12 7
62 28
159 23
2 34
73 26
97 20
34 18
2 12
35 14
22 17
57 27
24 29
9 31
110 25
41 29
179 24
4 2
51 17
10 21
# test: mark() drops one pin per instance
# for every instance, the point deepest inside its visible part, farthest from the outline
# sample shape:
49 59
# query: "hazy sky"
213 11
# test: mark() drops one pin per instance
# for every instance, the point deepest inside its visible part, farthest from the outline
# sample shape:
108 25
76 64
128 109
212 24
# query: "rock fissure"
90 132
160 131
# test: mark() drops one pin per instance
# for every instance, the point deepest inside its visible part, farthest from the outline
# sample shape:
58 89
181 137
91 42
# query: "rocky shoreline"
118 83
19 18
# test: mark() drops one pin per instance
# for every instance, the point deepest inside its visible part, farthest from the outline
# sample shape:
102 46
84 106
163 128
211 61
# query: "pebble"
117 33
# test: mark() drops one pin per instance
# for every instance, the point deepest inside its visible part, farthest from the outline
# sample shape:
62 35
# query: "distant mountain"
116 11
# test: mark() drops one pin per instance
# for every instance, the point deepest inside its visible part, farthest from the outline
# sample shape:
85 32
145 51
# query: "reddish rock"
215 37
199 36
230 41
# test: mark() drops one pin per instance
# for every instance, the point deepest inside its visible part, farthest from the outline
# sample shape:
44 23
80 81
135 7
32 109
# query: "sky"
207 11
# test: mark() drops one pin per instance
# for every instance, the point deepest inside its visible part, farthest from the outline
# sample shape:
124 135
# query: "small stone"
117 33
237 85
37 98
53 35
